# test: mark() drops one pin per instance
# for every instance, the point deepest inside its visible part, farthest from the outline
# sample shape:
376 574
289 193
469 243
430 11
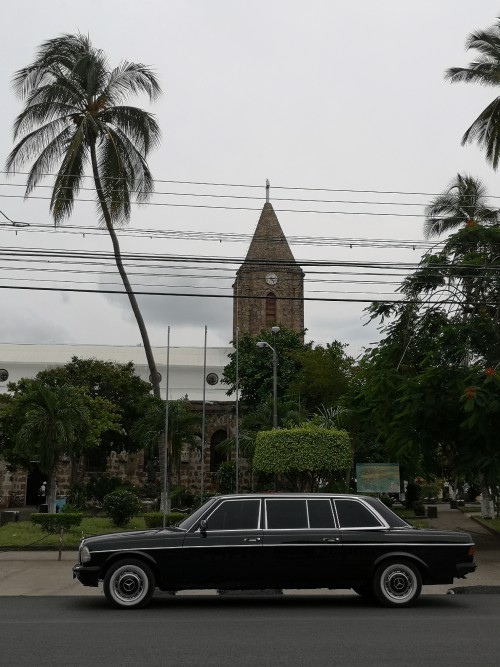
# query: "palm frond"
32 144
485 130
139 126
68 180
134 78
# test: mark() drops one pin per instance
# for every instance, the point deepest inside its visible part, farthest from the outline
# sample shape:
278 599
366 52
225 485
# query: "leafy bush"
387 500
181 497
53 523
121 506
99 487
155 519
226 477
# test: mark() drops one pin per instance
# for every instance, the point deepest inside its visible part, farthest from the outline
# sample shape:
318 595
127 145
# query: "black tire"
129 584
397 583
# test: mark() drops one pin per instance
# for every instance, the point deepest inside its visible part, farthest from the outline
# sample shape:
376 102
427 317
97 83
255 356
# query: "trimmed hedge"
296 450
54 523
155 519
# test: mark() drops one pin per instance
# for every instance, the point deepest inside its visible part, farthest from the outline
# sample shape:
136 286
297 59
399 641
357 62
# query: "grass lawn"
491 523
25 534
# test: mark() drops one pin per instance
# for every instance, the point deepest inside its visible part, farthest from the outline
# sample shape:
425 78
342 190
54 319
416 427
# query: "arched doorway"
216 456
34 481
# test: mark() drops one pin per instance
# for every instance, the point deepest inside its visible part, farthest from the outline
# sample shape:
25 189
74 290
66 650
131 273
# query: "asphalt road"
239 631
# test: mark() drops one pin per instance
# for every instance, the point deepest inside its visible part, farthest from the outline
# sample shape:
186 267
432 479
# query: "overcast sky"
325 94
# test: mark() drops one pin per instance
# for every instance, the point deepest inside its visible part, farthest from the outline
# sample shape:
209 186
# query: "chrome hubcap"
398 584
128 585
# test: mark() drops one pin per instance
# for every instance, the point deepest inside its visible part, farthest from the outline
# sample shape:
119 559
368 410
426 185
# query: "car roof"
270 495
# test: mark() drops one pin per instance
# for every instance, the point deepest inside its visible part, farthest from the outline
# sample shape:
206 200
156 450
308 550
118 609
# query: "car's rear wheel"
397 583
129 584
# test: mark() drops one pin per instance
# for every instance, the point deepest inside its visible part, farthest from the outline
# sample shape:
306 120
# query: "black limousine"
276 541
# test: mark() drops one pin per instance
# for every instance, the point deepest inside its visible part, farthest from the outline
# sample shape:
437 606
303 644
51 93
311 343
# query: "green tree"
256 365
485 70
323 375
55 421
75 113
463 203
114 382
446 330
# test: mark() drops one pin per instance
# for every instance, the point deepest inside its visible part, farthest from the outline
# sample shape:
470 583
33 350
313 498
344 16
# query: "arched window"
270 308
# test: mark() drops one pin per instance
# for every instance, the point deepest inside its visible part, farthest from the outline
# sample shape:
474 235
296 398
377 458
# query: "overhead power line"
273 186
199 295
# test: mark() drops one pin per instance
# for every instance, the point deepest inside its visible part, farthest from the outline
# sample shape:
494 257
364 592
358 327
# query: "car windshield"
189 521
387 514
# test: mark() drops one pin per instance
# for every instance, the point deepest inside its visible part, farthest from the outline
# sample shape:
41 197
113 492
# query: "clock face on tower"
271 279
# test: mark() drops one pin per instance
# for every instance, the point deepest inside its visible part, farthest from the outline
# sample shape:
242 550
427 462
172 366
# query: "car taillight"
472 551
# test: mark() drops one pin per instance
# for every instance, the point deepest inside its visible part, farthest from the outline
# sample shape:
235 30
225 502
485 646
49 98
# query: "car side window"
320 514
235 515
286 514
353 514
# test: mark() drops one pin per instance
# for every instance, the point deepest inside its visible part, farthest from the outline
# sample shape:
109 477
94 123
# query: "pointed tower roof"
268 242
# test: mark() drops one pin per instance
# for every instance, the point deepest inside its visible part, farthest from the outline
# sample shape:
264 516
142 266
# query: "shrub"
54 523
99 487
155 519
307 457
121 506
226 477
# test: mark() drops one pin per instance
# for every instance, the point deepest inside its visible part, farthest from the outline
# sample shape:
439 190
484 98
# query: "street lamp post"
261 344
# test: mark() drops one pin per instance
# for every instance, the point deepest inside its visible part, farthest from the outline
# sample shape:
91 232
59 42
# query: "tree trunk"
123 274
154 376
487 506
51 493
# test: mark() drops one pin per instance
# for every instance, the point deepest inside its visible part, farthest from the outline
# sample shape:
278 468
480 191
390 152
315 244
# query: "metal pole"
166 485
202 484
237 429
275 389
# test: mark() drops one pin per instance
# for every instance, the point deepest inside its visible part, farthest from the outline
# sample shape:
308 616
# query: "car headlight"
84 554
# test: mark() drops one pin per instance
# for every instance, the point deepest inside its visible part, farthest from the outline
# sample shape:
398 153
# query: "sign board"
377 477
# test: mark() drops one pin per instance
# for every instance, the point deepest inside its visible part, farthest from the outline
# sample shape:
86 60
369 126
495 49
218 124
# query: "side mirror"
203 526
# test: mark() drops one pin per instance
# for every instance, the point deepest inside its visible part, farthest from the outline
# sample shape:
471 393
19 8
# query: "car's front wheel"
129 584
397 584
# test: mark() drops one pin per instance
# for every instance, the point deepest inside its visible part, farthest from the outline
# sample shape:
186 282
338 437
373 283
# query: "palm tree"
74 113
463 203
182 426
55 421
485 70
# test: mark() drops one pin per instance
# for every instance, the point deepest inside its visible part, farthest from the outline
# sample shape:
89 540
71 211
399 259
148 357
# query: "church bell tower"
269 285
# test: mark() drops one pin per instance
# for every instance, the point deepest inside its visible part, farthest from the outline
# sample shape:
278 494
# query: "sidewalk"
40 573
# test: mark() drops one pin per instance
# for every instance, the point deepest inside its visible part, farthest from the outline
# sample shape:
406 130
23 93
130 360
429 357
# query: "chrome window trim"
302 500
387 545
307 500
334 517
382 522
234 500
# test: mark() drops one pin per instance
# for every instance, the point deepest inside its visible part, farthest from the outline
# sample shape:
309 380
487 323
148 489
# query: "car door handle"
331 539
251 539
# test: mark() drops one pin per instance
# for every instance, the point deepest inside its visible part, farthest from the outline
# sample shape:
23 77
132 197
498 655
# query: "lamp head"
275 330
261 343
